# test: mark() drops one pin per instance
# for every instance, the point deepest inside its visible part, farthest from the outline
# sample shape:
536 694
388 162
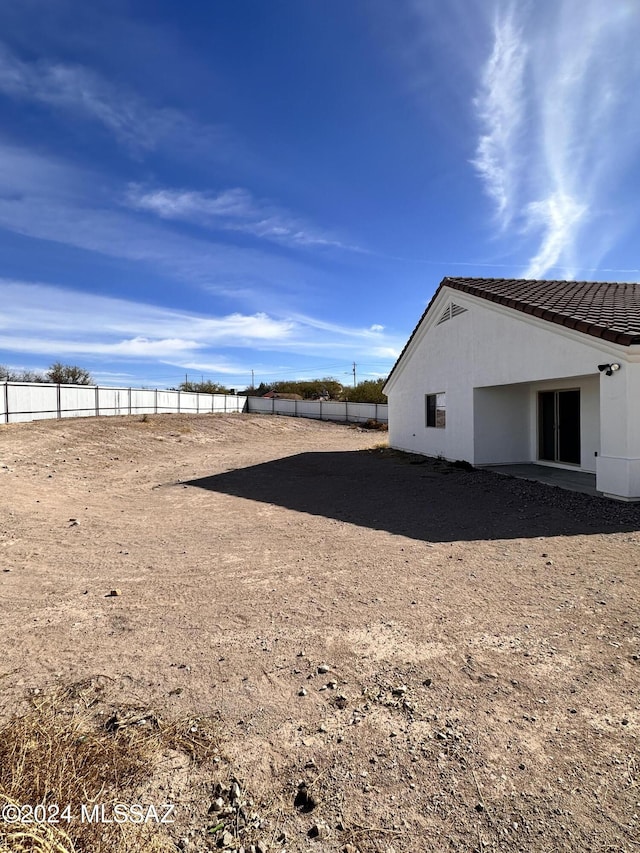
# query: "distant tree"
310 389
256 390
29 376
7 375
68 374
368 391
204 387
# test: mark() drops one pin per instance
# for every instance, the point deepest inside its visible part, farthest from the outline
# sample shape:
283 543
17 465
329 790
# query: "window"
435 410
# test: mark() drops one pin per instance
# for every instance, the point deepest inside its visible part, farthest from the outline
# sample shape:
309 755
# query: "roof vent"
452 310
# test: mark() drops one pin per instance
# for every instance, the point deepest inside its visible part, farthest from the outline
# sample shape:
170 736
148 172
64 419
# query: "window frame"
435 412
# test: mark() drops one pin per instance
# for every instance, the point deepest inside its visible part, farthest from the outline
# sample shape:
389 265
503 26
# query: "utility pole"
354 374
253 384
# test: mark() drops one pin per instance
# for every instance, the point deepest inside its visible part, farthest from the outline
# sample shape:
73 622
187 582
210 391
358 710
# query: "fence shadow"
420 498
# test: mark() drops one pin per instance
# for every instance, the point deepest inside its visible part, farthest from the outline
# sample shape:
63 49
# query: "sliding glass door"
559 426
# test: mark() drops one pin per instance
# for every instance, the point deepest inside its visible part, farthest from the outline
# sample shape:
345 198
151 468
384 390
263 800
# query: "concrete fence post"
58 402
178 401
129 395
6 402
320 409
346 411
97 400
155 401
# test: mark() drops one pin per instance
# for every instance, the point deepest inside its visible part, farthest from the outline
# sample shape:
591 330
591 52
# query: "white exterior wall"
506 421
589 387
491 362
501 422
618 463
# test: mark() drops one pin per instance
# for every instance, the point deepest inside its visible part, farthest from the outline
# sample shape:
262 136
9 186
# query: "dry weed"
59 760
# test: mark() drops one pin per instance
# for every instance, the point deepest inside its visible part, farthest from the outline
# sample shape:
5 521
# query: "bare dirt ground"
403 655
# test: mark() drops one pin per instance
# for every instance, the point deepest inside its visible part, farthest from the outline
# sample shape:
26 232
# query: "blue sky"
211 188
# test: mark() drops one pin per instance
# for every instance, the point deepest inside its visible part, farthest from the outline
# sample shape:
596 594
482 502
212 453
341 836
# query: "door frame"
557 427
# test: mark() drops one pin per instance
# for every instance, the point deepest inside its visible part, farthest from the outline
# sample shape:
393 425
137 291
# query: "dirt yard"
403 655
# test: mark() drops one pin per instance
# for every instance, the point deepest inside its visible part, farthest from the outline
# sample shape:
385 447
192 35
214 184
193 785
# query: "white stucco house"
508 371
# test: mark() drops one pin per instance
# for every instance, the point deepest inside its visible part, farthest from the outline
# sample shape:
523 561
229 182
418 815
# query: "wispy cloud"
559 217
82 92
234 209
557 104
500 106
92 323
42 319
373 333
48 199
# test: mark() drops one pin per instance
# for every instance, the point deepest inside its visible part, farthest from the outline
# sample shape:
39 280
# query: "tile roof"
606 310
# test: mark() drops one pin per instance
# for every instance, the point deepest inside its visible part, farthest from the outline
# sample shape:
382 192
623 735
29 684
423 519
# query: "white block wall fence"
320 410
32 401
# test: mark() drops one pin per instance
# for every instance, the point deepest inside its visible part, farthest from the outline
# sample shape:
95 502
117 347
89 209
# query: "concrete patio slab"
574 481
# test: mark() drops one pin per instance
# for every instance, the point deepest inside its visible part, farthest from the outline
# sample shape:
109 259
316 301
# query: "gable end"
609 311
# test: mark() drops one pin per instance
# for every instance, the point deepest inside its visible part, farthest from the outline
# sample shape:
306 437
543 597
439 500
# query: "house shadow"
421 498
